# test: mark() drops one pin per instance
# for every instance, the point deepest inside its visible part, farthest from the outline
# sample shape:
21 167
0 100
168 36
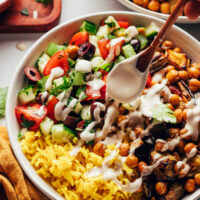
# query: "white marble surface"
10 56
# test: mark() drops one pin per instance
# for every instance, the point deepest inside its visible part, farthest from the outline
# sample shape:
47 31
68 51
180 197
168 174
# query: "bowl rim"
137 8
35 177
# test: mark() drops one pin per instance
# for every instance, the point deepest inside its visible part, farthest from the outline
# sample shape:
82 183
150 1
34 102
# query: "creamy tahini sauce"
114 49
109 119
96 84
193 119
44 96
99 107
86 134
170 144
55 73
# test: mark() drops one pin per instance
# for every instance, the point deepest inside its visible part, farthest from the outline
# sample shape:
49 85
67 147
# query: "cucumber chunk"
128 51
71 62
80 93
89 27
103 30
53 48
86 113
152 30
119 59
61 133
46 126
143 40
26 95
42 61
79 78
78 107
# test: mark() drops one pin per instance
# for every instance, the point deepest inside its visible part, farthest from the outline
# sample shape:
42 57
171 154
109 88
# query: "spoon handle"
146 57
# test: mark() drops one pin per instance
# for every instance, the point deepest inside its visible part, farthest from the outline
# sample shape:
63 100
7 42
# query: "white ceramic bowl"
61 34
137 8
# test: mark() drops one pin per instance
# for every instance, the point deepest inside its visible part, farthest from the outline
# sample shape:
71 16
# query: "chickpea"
185 114
138 131
170 106
197 178
172 76
153 82
165 7
167 45
174 132
178 113
194 84
145 3
159 146
197 65
124 149
193 72
141 166
99 149
154 5
181 146
188 147
161 188
174 100
183 75
169 68
183 132
190 185
72 50
132 161
177 50
138 2
120 119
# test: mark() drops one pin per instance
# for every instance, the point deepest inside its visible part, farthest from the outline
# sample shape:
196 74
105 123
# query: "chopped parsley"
163 113
26 123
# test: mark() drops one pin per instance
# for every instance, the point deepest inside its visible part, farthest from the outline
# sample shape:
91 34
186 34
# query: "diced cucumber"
128 51
53 48
46 126
143 40
89 27
103 30
78 107
26 95
152 30
120 32
111 22
42 82
86 113
71 62
61 133
119 59
97 62
94 40
79 78
59 81
81 92
42 61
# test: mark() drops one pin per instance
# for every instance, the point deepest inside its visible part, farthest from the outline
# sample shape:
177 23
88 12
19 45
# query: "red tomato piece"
103 45
59 59
103 89
91 93
123 24
50 108
30 116
79 38
149 79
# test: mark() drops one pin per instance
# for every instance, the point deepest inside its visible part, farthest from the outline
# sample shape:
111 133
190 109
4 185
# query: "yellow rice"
65 173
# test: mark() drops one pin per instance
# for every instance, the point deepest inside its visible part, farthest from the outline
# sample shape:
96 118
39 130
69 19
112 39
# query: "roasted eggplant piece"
148 187
160 131
179 60
165 170
175 192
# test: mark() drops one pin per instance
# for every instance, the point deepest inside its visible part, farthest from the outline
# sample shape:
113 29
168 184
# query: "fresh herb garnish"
111 24
3 95
26 123
110 36
163 113
44 1
24 11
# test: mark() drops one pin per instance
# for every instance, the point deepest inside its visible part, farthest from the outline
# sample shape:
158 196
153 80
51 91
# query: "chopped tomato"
91 93
123 24
103 45
59 59
102 22
79 38
149 79
103 89
50 108
31 116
